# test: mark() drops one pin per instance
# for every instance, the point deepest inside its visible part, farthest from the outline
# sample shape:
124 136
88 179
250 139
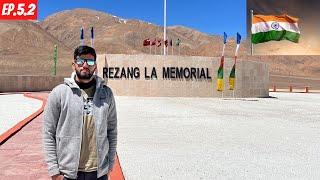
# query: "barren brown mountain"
116 35
26 48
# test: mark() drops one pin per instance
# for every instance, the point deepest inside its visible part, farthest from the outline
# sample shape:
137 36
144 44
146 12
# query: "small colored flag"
81 36
274 28
225 38
146 42
178 42
232 76
92 36
238 38
220 83
220 75
154 42
159 43
166 43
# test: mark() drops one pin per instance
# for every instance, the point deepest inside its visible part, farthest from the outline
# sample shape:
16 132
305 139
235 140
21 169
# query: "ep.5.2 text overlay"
19 9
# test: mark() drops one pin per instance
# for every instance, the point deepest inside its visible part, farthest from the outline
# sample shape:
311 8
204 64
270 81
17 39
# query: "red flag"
154 42
146 42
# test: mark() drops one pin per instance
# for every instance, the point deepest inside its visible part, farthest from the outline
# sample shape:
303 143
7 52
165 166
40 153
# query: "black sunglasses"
80 61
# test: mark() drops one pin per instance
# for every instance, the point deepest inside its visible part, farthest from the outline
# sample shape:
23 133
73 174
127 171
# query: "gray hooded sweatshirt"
62 128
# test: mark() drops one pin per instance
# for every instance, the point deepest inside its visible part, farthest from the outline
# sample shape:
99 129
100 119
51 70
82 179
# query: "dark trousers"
88 176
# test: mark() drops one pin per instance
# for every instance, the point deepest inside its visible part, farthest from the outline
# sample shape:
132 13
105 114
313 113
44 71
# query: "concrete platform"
207 138
197 138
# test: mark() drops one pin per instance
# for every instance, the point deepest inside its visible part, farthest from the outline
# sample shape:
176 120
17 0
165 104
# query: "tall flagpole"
222 56
220 75
251 31
235 62
164 26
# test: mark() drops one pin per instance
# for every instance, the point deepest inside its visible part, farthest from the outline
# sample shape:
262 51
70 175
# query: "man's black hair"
80 50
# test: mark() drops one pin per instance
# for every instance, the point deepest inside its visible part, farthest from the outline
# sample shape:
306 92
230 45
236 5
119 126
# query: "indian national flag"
274 28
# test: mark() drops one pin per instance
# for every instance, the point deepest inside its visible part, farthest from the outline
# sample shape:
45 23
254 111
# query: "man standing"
80 123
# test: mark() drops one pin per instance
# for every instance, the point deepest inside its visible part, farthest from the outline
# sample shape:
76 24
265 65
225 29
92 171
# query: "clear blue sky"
209 16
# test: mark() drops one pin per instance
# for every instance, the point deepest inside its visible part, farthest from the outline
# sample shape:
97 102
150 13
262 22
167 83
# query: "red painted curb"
116 173
6 135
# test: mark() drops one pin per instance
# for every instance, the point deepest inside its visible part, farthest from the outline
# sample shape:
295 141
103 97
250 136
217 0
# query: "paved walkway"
21 156
14 108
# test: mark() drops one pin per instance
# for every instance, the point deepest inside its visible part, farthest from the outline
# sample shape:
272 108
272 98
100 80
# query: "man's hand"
57 177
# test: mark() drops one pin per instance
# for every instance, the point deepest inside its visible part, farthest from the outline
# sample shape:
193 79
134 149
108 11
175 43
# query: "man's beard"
86 76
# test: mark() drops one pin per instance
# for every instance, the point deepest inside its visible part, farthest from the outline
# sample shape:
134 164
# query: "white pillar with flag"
81 37
232 76
220 82
92 37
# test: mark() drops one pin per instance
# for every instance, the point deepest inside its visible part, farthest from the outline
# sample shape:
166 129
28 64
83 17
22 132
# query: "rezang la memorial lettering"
167 73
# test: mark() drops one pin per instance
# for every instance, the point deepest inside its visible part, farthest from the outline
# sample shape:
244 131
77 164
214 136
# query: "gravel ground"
210 138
